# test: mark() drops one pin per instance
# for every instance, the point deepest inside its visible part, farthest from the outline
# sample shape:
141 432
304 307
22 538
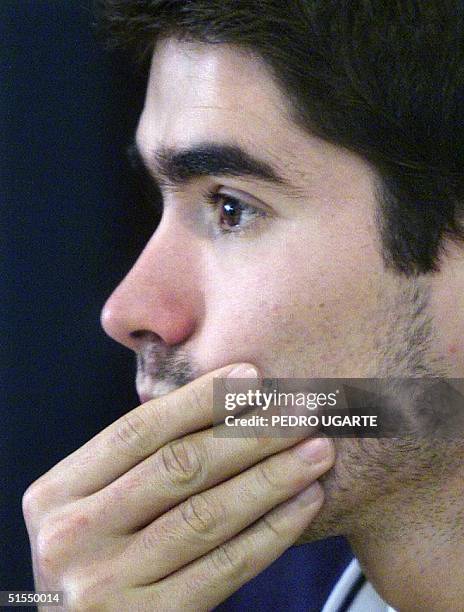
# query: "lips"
160 370
149 388
145 385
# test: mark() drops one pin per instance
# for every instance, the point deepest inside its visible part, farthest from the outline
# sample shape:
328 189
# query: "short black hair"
382 78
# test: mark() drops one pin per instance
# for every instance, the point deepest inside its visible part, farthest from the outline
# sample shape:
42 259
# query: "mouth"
161 370
149 389
144 397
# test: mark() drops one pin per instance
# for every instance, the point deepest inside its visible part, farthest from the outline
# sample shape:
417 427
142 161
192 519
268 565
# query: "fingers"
208 519
137 435
176 471
158 498
205 583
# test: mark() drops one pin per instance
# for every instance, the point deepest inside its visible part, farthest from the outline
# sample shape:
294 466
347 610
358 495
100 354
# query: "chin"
332 519
346 492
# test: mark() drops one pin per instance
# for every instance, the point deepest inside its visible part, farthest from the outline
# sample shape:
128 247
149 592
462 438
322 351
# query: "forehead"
221 94
212 70
213 92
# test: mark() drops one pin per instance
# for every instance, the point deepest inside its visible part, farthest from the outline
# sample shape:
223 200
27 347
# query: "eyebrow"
172 167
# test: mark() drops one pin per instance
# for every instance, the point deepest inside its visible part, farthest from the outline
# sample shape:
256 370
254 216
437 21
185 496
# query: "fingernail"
310 496
314 450
243 371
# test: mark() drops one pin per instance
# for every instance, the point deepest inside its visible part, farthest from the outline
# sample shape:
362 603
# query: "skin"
148 527
300 291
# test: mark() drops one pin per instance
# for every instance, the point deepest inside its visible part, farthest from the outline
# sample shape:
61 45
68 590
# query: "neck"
414 556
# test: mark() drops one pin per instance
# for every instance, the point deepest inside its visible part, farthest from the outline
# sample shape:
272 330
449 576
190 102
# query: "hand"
156 513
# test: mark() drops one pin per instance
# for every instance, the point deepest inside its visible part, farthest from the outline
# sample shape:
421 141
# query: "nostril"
145 335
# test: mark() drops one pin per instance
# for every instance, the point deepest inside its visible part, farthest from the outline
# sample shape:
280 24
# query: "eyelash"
216 199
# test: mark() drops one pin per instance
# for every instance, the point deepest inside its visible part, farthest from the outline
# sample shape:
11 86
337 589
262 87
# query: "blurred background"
71 225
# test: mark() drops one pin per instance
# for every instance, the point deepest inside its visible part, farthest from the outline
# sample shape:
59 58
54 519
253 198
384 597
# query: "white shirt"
352 594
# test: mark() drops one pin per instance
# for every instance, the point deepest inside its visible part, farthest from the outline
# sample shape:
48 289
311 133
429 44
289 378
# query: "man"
309 158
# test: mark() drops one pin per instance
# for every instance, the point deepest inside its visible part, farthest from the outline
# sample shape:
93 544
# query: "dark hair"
382 78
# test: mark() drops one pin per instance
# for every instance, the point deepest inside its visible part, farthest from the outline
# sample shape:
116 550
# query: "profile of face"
269 252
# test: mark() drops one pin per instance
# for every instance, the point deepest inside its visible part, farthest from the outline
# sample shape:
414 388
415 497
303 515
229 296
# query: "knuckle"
255 440
272 527
158 414
56 540
199 516
194 399
150 539
31 501
254 436
49 549
132 435
35 498
181 462
229 560
267 477
159 598
84 593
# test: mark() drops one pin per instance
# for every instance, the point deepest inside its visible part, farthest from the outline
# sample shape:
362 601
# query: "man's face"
288 276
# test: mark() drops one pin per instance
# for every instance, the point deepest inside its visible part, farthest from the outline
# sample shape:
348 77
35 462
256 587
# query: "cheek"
447 312
251 325
246 296
267 315
290 306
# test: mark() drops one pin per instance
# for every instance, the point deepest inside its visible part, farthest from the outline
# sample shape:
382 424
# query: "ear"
447 309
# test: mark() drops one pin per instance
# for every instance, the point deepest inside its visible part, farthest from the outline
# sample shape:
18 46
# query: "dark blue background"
71 225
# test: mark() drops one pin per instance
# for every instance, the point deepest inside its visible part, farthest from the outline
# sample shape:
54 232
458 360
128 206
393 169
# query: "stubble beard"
369 474
376 481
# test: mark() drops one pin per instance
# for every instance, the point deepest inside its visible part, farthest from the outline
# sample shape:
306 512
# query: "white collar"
364 598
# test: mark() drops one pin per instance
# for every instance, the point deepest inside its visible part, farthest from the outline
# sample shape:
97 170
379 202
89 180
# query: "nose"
161 295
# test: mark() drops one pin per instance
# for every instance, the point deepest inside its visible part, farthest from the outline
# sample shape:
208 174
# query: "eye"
230 211
233 214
